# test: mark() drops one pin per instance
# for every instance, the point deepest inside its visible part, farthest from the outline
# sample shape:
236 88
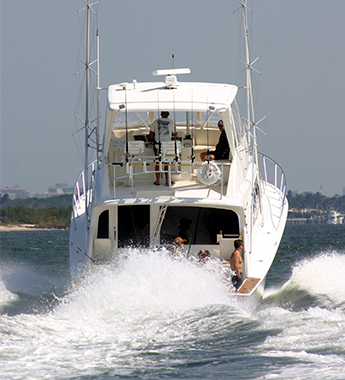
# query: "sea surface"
150 317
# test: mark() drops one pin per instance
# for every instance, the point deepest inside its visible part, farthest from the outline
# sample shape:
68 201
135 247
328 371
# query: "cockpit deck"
183 176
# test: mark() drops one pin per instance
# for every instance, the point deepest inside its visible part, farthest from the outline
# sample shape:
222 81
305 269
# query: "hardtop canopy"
154 96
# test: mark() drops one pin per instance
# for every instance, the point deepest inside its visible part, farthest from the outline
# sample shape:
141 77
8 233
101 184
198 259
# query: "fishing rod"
193 232
175 129
126 121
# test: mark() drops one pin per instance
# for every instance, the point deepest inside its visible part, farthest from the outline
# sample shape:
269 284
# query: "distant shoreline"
28 227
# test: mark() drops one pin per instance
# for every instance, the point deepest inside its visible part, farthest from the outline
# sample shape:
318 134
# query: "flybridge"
187 96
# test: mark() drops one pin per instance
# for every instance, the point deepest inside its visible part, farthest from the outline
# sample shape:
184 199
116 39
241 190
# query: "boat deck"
180 189
248 285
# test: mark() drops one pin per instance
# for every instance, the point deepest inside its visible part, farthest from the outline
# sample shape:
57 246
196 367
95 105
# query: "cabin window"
139 122
133 226
103 225
199 225
132 119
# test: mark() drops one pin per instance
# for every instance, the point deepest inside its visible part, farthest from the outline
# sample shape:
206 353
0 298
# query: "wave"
317 281
154 281
136 283
148 315
143 312
24 291
5 295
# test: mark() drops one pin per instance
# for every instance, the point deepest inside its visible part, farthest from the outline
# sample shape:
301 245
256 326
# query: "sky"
301 50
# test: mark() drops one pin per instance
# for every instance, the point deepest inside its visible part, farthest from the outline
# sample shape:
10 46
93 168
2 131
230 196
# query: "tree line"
55 212
52 212
315 201
59 201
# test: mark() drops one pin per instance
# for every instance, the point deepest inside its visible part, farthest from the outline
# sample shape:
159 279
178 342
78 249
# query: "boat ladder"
159 222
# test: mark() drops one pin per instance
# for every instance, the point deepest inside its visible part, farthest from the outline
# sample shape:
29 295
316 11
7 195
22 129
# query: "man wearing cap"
161 130
222 148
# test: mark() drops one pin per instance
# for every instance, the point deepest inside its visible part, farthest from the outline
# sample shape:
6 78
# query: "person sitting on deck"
222 148
178 246
236 264
161 130
204 256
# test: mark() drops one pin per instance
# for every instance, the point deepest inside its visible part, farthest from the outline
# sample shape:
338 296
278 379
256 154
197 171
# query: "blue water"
150 317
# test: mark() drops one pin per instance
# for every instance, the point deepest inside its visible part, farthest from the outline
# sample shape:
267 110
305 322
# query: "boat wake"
317 281
141 282
149 315
142 313
137 283
25 291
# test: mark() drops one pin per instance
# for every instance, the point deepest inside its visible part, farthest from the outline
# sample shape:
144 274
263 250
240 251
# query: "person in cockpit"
161 130
222 148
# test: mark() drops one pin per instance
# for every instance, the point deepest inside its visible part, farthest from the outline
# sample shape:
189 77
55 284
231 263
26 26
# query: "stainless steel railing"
169 166
272 173
83 193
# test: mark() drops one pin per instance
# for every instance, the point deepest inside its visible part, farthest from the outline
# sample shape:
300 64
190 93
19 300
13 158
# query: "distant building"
60 188
16 192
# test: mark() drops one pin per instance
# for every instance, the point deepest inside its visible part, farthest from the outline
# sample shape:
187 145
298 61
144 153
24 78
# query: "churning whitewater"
150 316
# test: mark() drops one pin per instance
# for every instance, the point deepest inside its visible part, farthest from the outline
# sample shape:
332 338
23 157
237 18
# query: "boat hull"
89 248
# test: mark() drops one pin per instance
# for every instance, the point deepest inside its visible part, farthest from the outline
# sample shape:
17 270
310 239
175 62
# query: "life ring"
208 173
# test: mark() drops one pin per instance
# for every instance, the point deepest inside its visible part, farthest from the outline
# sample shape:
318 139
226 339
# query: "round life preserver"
208 173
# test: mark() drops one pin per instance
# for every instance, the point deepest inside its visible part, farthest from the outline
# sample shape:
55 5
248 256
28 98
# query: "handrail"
174 167
81 189
278 180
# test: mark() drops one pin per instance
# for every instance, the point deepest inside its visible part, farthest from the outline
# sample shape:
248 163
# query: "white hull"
88 250
335 217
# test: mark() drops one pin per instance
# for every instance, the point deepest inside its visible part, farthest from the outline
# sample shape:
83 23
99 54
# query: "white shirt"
163 129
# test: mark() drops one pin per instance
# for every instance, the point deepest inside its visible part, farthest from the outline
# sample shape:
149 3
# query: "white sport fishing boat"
212 203
335 217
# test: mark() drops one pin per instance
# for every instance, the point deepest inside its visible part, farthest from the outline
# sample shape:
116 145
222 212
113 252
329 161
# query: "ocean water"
150 317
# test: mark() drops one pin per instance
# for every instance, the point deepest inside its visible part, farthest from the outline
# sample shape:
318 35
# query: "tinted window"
103 225
199 225
133 226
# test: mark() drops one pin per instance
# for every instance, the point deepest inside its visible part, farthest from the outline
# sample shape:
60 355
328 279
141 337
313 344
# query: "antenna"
170 79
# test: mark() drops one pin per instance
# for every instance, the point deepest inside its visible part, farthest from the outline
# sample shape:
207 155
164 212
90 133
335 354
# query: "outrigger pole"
250 111
98 93
251 120
87 121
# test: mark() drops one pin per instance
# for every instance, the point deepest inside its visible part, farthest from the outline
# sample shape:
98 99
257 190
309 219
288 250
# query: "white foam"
6 295
145 300
323 275
150 303
152 282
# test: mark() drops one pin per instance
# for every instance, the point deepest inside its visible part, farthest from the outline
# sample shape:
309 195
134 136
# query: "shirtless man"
236 264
